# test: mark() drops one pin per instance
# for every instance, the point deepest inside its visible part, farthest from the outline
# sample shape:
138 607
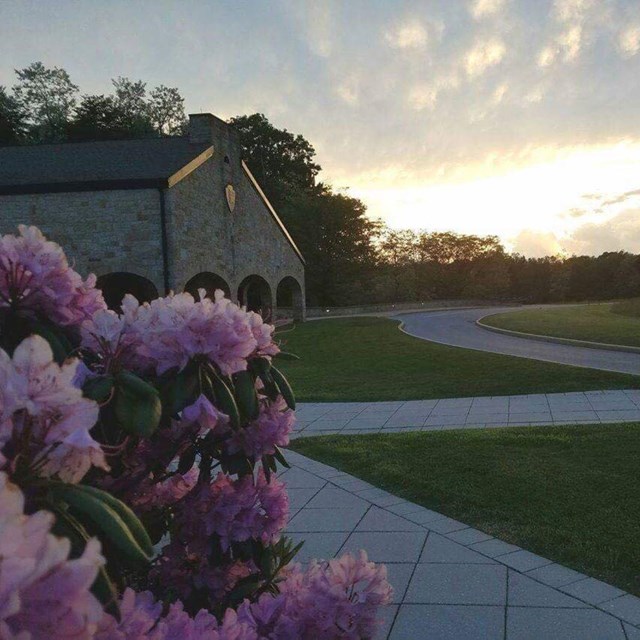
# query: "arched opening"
289 302
254 293
209 282
116 285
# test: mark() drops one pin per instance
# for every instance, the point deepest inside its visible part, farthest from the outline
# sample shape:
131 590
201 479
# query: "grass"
571 494
368 359
609 323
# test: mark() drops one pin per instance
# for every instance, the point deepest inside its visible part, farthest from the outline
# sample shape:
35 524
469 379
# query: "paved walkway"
458 328
454 413
451 582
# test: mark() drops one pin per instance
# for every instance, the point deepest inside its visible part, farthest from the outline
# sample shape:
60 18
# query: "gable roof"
92 166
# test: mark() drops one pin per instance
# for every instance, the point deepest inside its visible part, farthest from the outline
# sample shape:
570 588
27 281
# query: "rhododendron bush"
138 462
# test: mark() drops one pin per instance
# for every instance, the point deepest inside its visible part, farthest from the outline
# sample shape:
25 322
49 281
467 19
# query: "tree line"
351 258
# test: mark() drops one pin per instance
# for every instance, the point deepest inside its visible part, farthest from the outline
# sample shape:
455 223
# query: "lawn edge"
606 346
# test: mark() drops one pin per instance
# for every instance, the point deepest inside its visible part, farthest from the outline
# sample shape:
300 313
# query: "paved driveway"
458 328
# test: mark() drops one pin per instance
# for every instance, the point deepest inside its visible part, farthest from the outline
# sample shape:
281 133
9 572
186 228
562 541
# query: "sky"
519 118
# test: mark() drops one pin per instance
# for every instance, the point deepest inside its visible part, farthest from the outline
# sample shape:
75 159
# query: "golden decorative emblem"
230 192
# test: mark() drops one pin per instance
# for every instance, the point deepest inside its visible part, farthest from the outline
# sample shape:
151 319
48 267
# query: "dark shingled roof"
110 164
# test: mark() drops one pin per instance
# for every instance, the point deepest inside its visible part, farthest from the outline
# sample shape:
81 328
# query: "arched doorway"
254 293
117 284
209 282
289 302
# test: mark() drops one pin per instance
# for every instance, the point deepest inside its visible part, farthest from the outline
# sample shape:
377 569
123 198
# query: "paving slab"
387 546
449 622
532 623
592 590
458 584
449 581
439 549
525 592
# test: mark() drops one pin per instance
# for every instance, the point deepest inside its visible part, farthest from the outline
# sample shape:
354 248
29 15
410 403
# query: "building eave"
272 211
87 185
189 167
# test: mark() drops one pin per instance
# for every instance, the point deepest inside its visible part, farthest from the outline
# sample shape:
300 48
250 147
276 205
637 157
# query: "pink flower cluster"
43 594
168 332
141 619
235 510
272 427
39 400
336 600
35 276
222 533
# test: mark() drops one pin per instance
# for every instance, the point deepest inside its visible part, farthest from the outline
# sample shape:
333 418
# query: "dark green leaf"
246 395
137 405
285 388
98 388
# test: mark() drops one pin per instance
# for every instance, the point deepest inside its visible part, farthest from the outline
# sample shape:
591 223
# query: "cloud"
411 35
572 10
536 244
483 55
623 197
629 41
482 8
348 90
565 47
620 233
425 95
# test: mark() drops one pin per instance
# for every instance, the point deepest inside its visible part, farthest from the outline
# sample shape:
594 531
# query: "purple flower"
36 277
206 416
270 429
43 594
47 406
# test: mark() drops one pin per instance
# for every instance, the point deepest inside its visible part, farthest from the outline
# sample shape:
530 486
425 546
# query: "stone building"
153 215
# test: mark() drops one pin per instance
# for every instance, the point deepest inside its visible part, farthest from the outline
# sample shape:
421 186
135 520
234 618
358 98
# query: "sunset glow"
511 117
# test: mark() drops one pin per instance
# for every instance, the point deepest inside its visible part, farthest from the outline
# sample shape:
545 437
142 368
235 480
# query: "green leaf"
99 388
279 456
60 345
103 588
128 516
181 390
138 407
285 388
246 395
224 399
106 520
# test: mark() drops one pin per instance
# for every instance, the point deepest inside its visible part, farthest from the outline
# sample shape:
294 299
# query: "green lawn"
368 359
595 322
571 494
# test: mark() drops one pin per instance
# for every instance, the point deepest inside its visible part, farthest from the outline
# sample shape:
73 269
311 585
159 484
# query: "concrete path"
455 413
458 328
451 582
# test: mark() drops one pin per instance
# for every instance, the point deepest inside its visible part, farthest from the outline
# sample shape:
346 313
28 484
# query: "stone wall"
205 236
100 231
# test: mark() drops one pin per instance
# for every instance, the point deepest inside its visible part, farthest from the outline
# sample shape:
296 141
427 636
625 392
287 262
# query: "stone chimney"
207 128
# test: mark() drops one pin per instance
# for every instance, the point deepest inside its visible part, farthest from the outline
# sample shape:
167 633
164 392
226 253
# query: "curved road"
457 328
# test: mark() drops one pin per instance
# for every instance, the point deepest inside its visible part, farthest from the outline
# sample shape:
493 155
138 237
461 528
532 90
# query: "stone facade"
121 230
101 231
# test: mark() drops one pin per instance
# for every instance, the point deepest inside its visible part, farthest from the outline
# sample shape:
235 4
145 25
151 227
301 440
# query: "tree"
337 240
47 97
281 161
12 124
96 118
166 111
131 102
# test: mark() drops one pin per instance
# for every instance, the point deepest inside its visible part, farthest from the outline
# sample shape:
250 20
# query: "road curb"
552 339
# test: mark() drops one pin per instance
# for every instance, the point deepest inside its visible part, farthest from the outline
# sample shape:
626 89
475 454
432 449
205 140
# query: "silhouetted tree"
47 97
